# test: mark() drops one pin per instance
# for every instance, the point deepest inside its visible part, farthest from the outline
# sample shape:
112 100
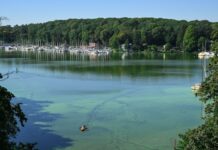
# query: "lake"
128 101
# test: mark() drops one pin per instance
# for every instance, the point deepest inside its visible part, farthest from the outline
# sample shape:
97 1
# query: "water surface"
128 101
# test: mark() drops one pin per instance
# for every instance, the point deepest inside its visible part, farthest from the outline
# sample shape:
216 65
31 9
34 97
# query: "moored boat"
205 54
196 87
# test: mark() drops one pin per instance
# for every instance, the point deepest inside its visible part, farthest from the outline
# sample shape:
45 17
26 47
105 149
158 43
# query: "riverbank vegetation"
205 137
134 34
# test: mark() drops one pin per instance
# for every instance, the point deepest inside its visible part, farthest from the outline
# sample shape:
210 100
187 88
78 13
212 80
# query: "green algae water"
128 101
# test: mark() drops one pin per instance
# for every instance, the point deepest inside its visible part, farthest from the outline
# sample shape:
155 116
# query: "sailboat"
205 54
195 88
202 55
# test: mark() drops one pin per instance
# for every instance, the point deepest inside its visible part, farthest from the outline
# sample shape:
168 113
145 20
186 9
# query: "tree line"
131 33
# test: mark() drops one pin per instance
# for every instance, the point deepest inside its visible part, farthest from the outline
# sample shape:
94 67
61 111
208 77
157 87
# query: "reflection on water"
128 101
132 65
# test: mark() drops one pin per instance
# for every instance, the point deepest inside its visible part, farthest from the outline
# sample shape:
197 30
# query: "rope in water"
31 74
6 75
91 114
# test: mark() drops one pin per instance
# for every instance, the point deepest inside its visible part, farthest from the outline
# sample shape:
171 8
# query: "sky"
39 11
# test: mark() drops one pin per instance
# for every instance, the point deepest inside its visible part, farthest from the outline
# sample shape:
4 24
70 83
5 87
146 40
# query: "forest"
136 34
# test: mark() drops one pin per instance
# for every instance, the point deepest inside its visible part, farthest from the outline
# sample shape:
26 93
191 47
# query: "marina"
58 49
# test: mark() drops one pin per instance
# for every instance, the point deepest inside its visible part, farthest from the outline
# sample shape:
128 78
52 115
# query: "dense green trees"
190 39
139 33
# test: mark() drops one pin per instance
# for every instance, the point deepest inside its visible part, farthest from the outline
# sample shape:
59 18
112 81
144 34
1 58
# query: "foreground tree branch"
11 116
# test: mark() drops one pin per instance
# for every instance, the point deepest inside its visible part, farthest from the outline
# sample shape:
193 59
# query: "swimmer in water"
83 128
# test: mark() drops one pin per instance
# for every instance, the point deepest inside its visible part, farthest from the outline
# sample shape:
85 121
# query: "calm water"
128 101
